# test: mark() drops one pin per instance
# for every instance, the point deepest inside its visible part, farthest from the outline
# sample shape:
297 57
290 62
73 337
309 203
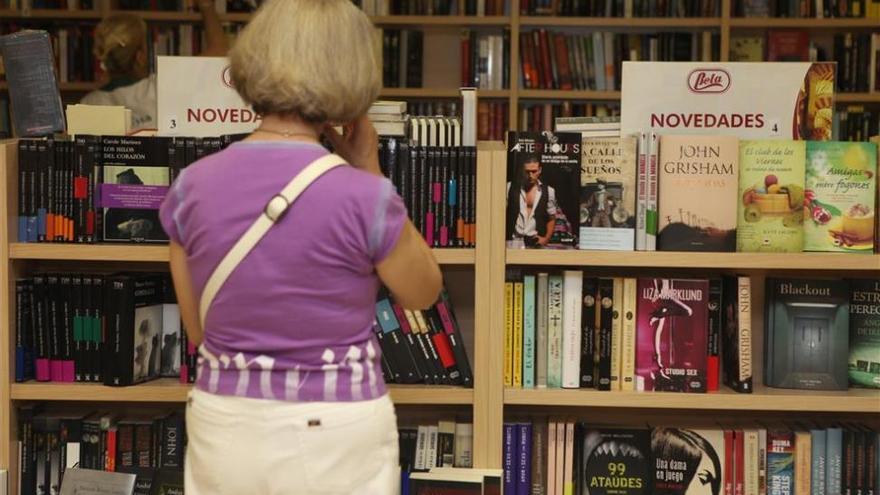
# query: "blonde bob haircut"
310 58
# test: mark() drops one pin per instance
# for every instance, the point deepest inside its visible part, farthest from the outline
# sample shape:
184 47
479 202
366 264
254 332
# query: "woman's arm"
410 271
186 299
216 37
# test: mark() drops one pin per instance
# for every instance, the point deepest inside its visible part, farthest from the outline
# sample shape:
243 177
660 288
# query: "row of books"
535 117
555 456
857 123
858 61
421 346
807 8
402 55
443 444
766 195
485 60
621 8
492 118
149 445
574 330
555 60
118 329
433 7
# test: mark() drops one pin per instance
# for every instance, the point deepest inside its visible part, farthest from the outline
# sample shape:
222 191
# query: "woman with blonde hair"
277 252
121 49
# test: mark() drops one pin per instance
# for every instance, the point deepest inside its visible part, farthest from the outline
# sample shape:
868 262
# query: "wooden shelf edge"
669 22
159 254
733 261
852 401
806 23
440 20
563 94
873 97
171 391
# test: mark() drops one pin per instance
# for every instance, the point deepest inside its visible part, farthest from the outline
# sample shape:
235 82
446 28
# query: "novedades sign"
196 97
788 100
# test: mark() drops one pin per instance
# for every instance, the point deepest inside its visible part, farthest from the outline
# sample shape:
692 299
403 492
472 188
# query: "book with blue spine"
780 462
833 461
817 473
524 459
510 456
529 331
24 335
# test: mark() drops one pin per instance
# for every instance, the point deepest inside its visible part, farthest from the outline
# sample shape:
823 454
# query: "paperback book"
543 183
839 197
770 214
864 333
687 461
697 185
608 194
614 462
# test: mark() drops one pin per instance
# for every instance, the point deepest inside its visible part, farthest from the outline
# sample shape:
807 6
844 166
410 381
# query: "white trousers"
241 446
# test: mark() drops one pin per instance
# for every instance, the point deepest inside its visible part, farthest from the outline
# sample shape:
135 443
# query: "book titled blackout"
807 334
136 178
672 335
864 333
614 462
543 185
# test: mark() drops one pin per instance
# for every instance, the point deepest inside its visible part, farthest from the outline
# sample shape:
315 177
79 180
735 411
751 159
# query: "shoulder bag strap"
274 210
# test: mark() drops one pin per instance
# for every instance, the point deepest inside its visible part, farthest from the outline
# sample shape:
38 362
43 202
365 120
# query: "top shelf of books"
664 259
158 254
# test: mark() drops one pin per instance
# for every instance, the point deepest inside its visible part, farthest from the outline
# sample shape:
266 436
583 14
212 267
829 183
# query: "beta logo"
713 81
226 77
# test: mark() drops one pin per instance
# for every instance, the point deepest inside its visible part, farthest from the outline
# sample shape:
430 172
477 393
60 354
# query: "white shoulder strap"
274 210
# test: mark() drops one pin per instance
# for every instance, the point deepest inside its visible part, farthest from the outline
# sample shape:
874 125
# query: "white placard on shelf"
786 100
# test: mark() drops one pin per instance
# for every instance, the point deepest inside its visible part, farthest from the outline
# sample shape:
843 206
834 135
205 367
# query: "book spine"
443 347
642 193
571 328
818 452
524 462
713 351
23 165
510 457
651 219
834 461
588 333
508 333
560 457
517 333
554 332
752 464
628 339
568 474
539 458
411 342
744 333
803 463
420 463
729 475
603 343
66 363
552 426
541 322
740 448
431 453
56 324
529 331
453 333
616 333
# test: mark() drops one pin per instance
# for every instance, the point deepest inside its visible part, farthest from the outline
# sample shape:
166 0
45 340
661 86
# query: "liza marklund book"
864 333
839 197
608 194
770 215
806 339
698 187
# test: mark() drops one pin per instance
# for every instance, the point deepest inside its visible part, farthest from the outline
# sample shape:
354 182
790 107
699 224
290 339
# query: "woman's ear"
141 59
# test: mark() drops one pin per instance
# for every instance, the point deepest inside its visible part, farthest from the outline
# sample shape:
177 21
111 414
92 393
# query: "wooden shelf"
59 14
567 94
438 93
858 97
627 22
771 22
73 87
158 254
440 20
733 261
171 390
763 399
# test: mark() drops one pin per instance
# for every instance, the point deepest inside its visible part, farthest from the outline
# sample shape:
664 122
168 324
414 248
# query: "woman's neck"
278 128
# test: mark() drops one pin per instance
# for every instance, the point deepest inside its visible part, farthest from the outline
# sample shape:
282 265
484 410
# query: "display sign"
751 100
196 97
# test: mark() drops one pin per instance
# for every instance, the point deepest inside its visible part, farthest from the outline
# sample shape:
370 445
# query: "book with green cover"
839 196
528 331
864 333
770 216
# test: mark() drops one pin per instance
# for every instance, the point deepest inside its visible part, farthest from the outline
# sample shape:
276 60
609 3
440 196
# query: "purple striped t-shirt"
294 321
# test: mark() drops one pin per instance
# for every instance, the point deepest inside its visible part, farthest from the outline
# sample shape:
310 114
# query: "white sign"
91 482
786 100
196 98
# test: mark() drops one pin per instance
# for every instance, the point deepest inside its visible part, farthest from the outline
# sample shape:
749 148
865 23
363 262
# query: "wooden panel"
172 391
658 259
858 97
8 229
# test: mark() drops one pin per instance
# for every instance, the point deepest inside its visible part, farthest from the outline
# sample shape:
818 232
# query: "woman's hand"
359 145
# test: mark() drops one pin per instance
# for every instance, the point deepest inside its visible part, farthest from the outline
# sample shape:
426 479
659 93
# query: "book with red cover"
788 46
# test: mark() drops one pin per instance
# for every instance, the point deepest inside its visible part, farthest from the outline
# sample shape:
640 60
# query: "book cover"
770 215
698 177
614 462
746 48
687 461
839 197
806 339
780 462
616 332
671 333
713 359
171 328
737 332
571 328
543 182
864 333
788 46
589 329
554 332
136 179
133 305
608 194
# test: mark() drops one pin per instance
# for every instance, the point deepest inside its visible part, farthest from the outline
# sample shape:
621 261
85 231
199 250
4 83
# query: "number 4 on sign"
774 127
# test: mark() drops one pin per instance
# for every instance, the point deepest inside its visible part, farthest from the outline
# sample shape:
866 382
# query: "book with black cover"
736 325
33 85
807 334
133 304
614 461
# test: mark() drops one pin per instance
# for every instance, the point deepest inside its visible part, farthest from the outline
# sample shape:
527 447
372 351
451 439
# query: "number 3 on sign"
172 122
773 125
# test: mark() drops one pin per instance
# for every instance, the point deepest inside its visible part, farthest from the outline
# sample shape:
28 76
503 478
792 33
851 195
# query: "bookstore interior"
655 221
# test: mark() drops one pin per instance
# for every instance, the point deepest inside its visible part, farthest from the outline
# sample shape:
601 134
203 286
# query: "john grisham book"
698 187
672 332
687 461
543 182
770 216
613 461
135 180
608 194
806 334
864 333
839 197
